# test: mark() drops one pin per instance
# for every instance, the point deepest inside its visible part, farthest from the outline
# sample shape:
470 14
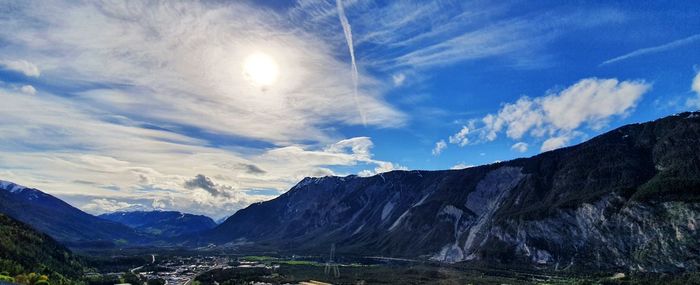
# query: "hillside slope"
162 223
24 250
627 199
60 220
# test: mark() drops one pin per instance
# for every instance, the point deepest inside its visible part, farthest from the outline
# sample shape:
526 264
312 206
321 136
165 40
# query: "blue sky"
209 106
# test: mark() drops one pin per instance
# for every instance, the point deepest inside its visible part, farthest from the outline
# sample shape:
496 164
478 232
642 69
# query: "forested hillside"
30 257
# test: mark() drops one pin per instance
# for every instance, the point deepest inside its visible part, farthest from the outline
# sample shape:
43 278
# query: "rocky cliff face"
628 199
609 233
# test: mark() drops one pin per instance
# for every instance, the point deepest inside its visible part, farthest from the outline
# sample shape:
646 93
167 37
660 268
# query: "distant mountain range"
162 223
628 199
62 221
76 228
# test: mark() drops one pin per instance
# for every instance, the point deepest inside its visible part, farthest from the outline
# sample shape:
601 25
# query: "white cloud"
22 66
101 206
695 86
461 138
354 150
381 168
519 147
461 165
28 89
398 79
359 146
439 147
591 102
555 143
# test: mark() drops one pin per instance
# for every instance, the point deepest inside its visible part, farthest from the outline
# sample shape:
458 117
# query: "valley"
205 268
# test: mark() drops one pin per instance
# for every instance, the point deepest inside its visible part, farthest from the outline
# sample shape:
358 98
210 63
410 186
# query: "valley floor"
204 268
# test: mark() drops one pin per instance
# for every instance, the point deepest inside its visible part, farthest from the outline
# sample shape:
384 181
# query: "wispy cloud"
414 35
399 35
347 31
500 39
654 49
138 98
181 63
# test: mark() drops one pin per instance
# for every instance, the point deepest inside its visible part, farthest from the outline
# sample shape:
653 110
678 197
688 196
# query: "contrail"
348 37
655 49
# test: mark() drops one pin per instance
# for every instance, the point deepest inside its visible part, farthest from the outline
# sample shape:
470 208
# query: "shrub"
6 278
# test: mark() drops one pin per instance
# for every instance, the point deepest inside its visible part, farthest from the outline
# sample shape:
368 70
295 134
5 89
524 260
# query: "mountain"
628 199
23 250
62 221
162 223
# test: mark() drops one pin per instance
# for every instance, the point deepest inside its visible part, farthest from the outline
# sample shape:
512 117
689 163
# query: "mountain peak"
11 186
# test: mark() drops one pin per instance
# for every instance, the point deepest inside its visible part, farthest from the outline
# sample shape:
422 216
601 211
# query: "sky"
208 106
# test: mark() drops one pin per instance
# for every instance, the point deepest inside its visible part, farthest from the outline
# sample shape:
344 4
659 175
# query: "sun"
260 69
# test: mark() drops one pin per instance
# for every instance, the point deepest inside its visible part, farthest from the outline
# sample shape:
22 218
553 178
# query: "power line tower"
331 266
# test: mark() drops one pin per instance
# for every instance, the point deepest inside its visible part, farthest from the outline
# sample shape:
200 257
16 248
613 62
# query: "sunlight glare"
260 69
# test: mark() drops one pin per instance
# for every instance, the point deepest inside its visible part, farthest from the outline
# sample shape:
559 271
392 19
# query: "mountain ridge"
63 222
557 209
